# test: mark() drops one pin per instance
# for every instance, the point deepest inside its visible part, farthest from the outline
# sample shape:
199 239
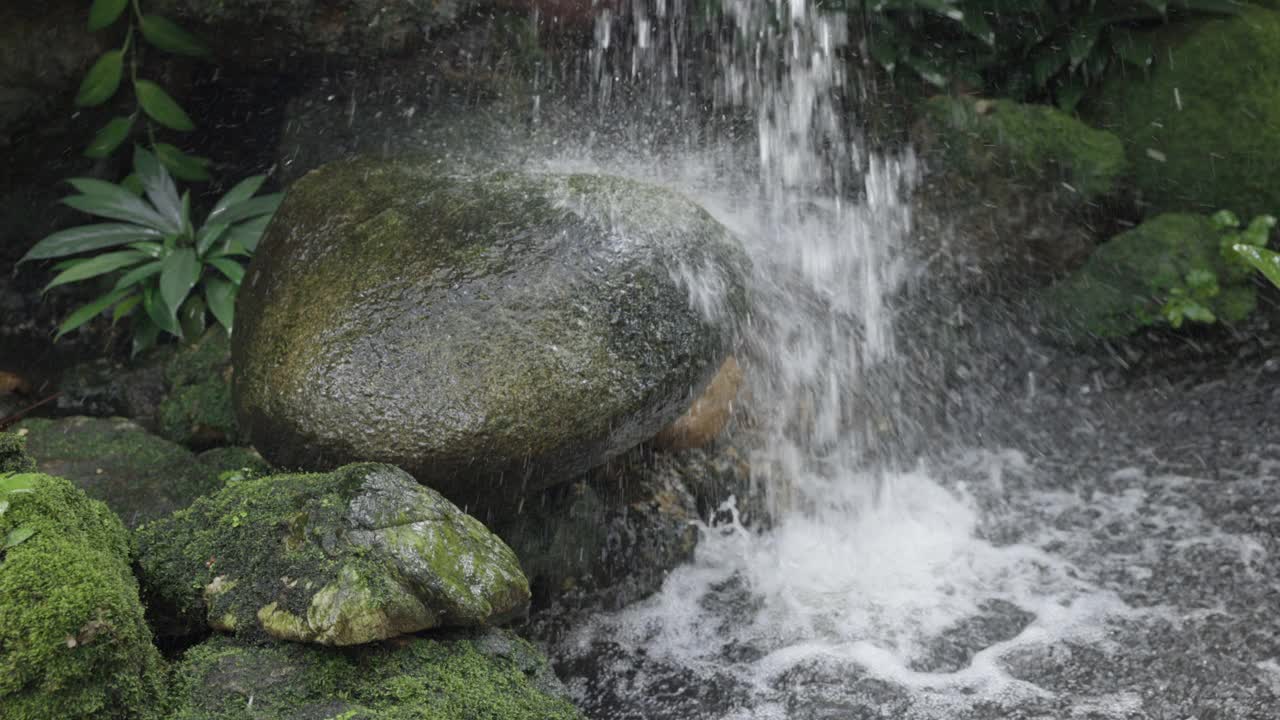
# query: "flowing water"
1055 579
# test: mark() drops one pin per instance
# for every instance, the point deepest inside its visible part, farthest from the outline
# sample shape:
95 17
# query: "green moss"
356 555
1204 128
1034 142
196 409
486 676
139 475
13 454
1128 279
73 642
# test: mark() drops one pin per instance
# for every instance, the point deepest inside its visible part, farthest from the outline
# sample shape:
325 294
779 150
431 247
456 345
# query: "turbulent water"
1045 581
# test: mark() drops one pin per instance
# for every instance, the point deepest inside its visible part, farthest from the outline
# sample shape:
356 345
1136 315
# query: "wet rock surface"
493 334
485 675
139 475
361 554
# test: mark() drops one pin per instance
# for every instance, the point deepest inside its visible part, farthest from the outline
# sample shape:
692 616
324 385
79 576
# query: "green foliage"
1250 244
171 270
1203 126
1171 269
1024 49
153 104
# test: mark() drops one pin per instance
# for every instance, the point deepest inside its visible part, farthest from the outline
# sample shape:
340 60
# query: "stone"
703 422
138 475
1128 279
1201 127
361 554
484 674
73 639
1008 190
492 333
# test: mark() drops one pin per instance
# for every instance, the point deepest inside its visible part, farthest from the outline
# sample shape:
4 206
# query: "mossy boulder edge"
491 333
361 554
73 639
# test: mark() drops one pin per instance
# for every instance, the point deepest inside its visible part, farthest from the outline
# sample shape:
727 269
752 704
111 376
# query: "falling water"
970 586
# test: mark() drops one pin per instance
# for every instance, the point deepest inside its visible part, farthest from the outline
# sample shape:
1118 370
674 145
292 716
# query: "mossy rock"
196 410
1009 190
13 454
480 675
1034 143
1128 279
1202 129
491 333
139 475
360 554
73 640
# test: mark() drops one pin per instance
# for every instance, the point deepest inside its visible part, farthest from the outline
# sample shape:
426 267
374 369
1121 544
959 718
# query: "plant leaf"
132 184
17 536
158 186
152 249
180 272
87 237
232 269
252 208
102 80
183 166
88 312
160 314
23 483
166 35
157 104
112 201
221 297
192 317
104 12
236 195
1263 260
208 236
111 136
145 332
124 307
95 266
138 274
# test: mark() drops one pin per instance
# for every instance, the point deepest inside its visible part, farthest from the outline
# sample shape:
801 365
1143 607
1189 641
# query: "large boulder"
361 554
492 333
73 640
478 675
138 475
1202 127
1008 190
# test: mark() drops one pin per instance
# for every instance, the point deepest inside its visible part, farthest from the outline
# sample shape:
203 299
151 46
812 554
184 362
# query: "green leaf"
152 249
246 235
1225 220
208 236
4 507
124 307
104 12
102 80
192 317
88 312
87 237
180 272
236 195
112 201
232 269
221 297
157 104
95 266
187 230
132 184
145 333
158 186
183 166
159 313
1263 260
1259 230
111 136
166 35
24 483
17 536
138 274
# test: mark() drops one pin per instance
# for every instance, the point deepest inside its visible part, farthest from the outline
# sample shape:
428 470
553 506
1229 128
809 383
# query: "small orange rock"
11 383
707 417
